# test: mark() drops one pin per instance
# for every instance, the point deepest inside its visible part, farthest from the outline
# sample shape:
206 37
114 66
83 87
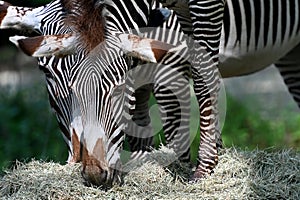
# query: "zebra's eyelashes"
119 89
98 3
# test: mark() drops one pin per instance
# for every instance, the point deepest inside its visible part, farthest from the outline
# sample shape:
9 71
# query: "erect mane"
85 16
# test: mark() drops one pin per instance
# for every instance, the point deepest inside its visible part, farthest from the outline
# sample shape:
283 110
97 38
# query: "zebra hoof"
3 10
199 176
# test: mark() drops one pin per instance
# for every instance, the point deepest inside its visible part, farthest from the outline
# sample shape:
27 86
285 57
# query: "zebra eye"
119 89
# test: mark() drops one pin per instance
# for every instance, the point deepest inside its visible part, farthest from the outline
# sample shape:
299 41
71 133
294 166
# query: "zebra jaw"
49 45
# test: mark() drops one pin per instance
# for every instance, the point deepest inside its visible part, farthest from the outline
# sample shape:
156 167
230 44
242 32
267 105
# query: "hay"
239 175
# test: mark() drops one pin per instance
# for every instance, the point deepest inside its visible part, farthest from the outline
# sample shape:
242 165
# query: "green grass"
246 128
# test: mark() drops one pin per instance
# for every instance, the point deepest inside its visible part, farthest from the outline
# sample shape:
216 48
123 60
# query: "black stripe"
275 19
238 20
257 17
226 24
284 14
248 18
292 13
267 20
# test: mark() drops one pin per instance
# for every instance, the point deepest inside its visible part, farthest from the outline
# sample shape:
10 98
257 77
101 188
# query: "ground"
240 174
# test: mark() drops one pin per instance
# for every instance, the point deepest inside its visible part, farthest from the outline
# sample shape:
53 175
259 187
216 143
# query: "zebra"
71 103
254 37
239 51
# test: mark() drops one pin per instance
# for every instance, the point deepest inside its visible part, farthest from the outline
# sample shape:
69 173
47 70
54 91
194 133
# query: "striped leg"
139 131
207 19
173 99
289 67
140 123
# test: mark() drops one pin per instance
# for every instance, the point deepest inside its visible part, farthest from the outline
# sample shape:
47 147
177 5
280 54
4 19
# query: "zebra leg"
207 17
289 68
173 98
139 132
141 141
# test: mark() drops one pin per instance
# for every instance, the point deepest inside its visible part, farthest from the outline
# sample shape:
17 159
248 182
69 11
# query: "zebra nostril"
103 176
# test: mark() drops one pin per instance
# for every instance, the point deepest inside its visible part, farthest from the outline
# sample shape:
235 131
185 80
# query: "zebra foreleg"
173 97
209 133
207 18
139 129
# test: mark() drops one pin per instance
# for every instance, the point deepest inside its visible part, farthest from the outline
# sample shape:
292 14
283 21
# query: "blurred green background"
28 128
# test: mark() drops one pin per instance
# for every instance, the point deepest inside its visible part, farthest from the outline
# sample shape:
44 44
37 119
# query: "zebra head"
96 79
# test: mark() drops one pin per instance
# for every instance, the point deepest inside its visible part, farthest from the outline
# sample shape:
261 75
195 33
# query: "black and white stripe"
71 89
254 35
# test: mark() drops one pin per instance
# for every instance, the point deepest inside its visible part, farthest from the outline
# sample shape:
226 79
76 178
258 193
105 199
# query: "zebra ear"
145 49
3 11
44 46
19 17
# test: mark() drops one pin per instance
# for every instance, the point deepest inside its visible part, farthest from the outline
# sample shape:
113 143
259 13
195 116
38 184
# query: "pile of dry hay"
239 175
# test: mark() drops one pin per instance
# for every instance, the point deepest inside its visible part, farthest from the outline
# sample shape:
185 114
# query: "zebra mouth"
93 176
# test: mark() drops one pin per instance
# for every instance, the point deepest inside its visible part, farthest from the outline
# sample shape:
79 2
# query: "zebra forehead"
85 16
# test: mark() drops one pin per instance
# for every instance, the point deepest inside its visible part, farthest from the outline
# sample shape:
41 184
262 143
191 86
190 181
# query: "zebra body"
257 33
254 34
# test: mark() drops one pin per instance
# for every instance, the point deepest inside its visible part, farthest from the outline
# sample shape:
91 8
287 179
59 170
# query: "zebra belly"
234 62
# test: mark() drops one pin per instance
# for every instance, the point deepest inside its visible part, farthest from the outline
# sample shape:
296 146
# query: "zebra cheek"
75 148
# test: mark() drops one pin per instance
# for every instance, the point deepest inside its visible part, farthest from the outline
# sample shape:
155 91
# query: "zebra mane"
85 16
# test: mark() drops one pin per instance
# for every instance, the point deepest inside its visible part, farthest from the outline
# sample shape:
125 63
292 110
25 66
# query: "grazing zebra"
67 102
233 52
254 36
